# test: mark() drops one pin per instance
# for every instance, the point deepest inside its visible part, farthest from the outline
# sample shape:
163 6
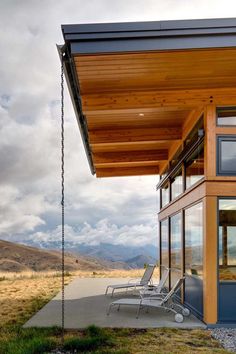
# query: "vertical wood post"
210 141
210 261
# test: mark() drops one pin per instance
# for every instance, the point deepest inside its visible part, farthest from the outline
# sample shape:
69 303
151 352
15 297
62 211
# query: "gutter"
73 86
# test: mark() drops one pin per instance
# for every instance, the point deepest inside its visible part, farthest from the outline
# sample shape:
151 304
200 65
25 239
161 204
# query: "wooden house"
160 98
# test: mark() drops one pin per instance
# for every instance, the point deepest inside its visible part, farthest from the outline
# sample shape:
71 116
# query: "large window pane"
227 155
175 241
194 169
165 195
194 240
164 244
194 257
226 116
227 239
177 185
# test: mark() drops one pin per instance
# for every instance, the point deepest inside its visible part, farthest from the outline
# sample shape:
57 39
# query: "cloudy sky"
118 210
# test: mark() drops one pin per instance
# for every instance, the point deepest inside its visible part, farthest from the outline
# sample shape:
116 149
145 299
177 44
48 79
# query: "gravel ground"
226 336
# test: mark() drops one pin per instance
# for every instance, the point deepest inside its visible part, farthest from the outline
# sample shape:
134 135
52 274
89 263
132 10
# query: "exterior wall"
207 190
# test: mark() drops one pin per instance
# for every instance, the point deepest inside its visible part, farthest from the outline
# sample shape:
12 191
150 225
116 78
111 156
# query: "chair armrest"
134 280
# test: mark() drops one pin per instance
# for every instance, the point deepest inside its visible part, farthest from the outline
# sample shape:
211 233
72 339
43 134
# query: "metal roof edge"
148 25
76 101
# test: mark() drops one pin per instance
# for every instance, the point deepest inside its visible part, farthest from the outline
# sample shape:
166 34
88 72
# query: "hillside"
16 257
140 260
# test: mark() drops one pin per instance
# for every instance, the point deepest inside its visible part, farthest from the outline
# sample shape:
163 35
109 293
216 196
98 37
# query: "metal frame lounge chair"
153 289
163 301
133 283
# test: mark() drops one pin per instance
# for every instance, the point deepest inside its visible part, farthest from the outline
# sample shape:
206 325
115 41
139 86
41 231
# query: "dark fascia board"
145 36
76 101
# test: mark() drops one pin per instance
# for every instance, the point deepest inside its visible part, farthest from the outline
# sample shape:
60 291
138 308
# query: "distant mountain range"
117 252
18 257
107 251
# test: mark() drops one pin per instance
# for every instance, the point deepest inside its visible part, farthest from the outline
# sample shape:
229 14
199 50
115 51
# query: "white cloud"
119 210
102 232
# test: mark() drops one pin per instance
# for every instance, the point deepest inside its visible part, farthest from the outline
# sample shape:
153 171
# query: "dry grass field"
22 294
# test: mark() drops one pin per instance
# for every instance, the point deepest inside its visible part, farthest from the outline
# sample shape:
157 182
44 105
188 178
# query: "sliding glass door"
165 245
175 247
194 257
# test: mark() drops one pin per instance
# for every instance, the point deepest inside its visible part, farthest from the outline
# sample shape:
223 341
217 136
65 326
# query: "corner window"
177 185
165 192
194 167
226 116
226 155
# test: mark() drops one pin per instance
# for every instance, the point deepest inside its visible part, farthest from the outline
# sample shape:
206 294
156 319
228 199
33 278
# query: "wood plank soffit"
134 156
127 171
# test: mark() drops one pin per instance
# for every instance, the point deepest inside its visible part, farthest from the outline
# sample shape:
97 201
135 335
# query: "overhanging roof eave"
145 36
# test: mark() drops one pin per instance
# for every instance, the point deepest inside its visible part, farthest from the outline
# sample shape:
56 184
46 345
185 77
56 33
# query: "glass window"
226 116
164 244
177 185
165 195
227 239
226 155
194 168
175 242
194 240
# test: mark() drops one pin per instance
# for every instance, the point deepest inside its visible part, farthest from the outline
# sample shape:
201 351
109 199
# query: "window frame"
219 140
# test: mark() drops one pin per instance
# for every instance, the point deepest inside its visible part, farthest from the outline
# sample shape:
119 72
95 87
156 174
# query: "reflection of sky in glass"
164 243
175 241
193 228
165 196
177 186
227 204
194 239
226 120
228 155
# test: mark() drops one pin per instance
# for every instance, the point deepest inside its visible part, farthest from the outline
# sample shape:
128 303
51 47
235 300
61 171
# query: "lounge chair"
133 283
163 301
152 289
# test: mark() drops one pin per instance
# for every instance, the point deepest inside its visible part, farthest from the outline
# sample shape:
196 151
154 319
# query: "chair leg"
109 309
139 307
106 290
112 293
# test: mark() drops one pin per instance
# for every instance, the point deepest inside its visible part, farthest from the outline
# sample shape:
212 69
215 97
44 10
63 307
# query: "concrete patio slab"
86 304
